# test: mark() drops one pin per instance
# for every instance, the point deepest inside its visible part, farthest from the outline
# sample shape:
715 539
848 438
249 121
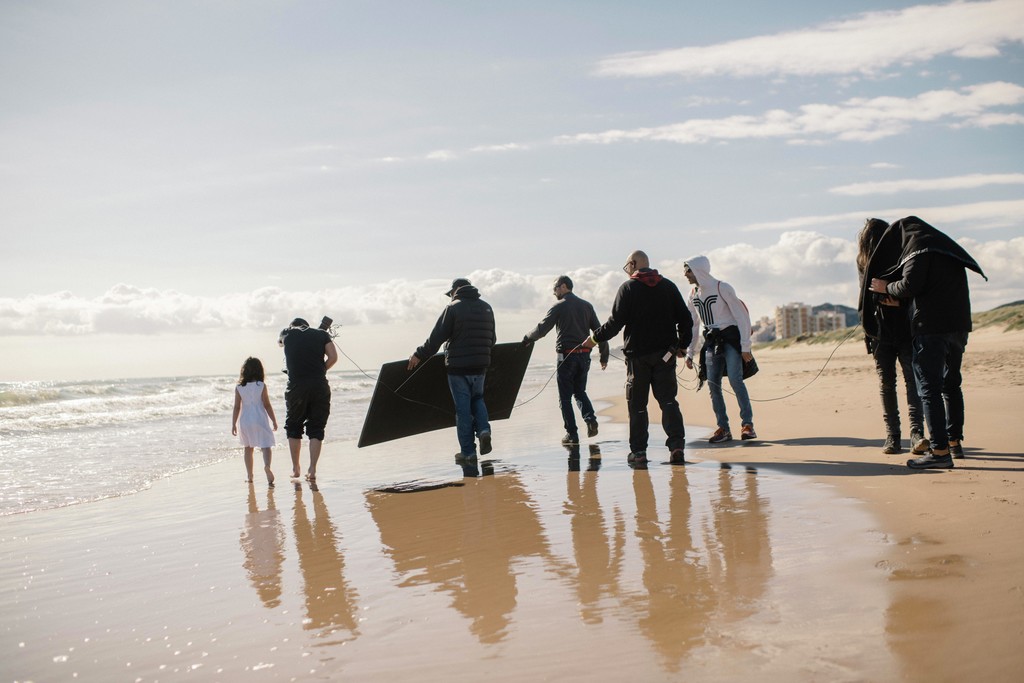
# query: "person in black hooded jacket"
658 329
467 325
932 274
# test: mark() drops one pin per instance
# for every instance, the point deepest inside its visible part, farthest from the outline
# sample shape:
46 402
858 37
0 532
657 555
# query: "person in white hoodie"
726 344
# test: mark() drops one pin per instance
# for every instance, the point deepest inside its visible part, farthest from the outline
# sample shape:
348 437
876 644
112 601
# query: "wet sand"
806 556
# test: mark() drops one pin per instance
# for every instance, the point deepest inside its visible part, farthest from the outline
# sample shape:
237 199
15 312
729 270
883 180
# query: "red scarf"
648 276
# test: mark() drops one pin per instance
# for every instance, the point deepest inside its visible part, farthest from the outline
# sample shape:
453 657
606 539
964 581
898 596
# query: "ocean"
70 442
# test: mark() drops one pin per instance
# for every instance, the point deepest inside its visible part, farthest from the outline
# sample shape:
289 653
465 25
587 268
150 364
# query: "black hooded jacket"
654 314
932 273
467 324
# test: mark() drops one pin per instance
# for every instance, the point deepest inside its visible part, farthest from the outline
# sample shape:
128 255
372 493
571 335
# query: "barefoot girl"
253 425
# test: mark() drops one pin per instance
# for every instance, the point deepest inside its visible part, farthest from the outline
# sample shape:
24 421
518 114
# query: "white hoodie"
715 304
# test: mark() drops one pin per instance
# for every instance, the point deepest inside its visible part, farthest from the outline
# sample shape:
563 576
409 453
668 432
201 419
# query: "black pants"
651 374
886 358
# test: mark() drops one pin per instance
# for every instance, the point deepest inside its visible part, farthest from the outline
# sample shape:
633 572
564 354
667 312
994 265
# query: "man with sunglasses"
574 319
658 329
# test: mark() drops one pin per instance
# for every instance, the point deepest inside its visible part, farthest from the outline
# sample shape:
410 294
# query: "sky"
180 179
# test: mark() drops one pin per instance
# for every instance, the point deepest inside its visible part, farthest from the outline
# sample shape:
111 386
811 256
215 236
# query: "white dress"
253 422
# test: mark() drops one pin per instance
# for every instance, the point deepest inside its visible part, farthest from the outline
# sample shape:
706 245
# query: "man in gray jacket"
466 327
574 319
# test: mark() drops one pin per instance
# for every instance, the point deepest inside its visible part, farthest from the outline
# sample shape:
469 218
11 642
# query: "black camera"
326 323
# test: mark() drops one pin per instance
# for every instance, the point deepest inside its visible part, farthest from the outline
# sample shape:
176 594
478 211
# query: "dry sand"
805 556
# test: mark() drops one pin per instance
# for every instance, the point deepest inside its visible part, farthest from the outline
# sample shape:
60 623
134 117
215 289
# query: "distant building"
795 319
763 330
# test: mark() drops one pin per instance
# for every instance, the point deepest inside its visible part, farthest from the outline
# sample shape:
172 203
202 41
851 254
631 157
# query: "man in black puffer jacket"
467 325
932 274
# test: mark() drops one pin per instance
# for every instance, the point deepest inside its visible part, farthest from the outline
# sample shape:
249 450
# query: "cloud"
865 44
884 165
858 119
440 155
507 147
963 182
801 265
976 216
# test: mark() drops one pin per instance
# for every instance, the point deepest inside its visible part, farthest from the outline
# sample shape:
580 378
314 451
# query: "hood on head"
700 266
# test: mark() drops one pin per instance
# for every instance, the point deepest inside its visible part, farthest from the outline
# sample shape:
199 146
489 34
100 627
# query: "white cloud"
801 265
976 216
507 147
884 165
864 44
857 119
964 182
440 155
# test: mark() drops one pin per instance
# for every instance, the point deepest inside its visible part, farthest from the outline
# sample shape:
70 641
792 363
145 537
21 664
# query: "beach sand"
805 556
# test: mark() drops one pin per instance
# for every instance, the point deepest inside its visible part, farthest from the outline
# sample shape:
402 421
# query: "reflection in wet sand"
674 611
262 542
740 558
598 562
330 602
464 541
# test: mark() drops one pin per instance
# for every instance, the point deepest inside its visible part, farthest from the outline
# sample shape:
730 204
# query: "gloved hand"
527 342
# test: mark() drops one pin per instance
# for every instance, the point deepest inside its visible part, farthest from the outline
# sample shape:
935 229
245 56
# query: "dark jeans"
937 359
307 406
886 357
572 383
650 374
470 410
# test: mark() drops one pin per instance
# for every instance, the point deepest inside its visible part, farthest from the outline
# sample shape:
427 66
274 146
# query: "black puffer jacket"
467 325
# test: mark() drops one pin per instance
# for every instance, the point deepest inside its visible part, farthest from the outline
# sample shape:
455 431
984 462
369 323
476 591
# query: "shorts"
307 407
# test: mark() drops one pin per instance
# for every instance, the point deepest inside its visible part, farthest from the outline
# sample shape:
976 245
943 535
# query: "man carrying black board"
466 327
575 319
308 353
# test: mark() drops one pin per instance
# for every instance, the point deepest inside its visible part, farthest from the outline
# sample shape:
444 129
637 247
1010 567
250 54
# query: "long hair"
252 371
867 240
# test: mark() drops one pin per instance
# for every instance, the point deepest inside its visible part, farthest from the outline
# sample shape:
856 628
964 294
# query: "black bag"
750 368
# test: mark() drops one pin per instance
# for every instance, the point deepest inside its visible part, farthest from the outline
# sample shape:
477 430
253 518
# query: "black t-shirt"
304 352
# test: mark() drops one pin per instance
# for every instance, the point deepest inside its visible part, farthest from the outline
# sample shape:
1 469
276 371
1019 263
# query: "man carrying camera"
309 353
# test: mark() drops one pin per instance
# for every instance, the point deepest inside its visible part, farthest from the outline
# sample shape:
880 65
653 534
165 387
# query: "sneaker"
461 459
637 458
748 433
918 444
676 458
720 436
892 445
485 443
570 440
956 450
592 428
931 460
916 436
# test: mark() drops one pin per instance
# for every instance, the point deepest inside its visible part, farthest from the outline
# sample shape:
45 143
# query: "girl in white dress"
253 415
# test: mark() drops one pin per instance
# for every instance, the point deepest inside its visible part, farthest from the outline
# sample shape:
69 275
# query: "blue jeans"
470 411
572 383
729 363
937 359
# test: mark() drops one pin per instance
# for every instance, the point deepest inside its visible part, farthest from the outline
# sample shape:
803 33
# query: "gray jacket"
575 319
